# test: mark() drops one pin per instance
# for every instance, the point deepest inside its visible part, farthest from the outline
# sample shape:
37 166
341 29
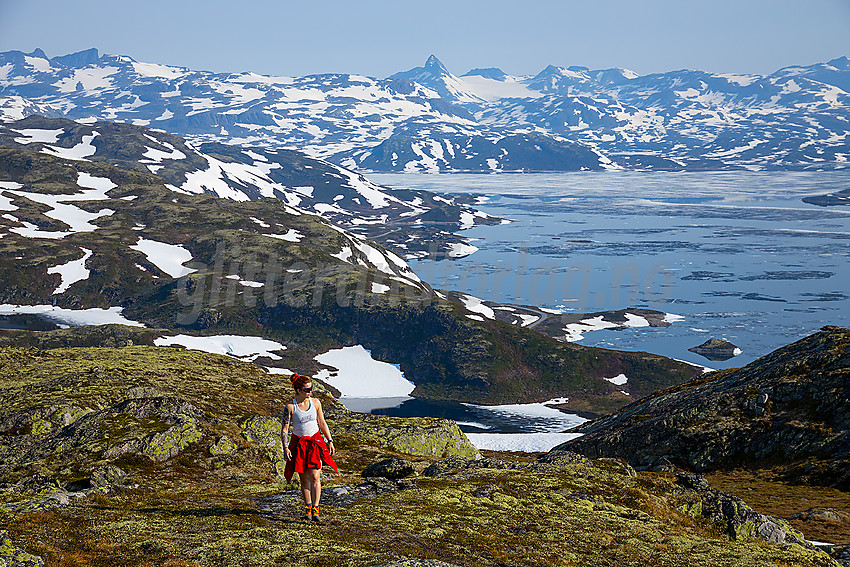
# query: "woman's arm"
323 426
284 431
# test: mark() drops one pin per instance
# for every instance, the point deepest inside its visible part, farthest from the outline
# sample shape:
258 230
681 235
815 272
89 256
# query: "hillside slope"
788 409
172 457
79 235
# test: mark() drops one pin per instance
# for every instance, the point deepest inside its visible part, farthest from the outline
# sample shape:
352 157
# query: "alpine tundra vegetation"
168 456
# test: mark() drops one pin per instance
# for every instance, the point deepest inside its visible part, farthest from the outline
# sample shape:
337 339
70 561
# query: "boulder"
392 469
12 556
169 443
740 521
223 446
420 437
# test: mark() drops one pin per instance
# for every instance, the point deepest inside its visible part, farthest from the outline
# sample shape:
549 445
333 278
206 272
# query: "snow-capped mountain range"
428 119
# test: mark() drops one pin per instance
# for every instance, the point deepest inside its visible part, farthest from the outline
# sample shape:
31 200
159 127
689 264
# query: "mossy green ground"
198 508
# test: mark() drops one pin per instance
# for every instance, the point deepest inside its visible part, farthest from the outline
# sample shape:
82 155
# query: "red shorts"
307 453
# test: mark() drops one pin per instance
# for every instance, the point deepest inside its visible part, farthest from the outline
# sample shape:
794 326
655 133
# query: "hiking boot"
308 512
316 517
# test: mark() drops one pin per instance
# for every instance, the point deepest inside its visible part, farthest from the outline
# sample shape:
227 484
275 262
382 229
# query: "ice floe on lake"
238 346
544 426
520 442
71 317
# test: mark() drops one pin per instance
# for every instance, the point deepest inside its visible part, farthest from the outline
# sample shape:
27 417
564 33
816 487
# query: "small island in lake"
716 349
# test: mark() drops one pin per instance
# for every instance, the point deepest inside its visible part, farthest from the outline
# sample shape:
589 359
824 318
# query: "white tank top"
304 423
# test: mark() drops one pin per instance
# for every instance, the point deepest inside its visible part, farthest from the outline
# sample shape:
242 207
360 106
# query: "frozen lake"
738 254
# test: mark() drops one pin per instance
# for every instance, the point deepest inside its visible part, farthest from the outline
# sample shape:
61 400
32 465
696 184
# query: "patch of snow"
633 320
672 318
100 184
344 254
492 89
156 70
6 202
273 370
78 153
618 380
246 283
157 156
167 257
71 317
291 235
71 272
32 135
238 346
360 376
379 288
574 331
527 319
476 306
76 218
551 311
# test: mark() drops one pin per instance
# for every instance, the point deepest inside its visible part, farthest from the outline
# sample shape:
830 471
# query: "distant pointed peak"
37 52
435 66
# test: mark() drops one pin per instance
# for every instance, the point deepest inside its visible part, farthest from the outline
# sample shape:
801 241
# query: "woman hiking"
306 451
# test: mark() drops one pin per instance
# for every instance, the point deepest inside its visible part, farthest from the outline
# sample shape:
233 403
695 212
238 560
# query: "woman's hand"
287 454
331 448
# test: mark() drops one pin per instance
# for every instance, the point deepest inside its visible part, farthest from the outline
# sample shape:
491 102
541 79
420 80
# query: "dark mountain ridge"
788 409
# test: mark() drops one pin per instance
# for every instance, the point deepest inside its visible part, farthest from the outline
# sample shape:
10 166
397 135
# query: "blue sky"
378 38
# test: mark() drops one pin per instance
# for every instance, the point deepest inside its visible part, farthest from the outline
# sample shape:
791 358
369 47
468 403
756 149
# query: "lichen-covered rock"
416 563
267 432
561 458
459 466
108 475
421 437
389 468
41 427
169 443
741 521
12 556
224 446
59 499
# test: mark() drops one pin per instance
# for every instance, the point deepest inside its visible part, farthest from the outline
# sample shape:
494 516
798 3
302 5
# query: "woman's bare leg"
306 488
316 485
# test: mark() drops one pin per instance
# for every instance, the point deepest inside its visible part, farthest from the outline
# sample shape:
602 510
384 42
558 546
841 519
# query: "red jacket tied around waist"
308 453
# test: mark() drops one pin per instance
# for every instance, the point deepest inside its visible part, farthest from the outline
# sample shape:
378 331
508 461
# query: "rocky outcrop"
392 469
739 520
12 556
789 406
420 437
